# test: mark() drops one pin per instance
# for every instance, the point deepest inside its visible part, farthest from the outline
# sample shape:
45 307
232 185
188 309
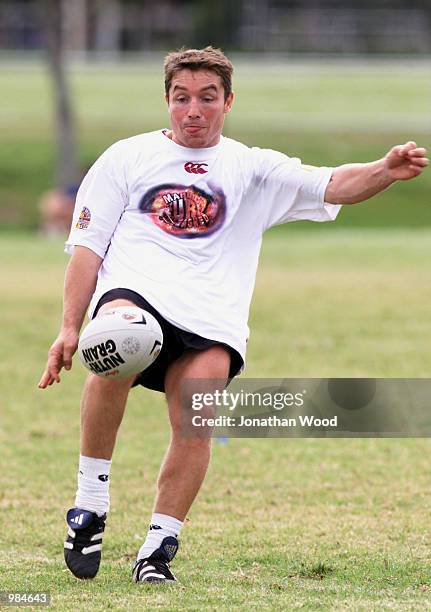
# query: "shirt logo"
185 211
84 219
195 168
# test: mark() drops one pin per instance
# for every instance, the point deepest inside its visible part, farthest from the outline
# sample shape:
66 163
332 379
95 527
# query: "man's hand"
59 356
406 161
79 285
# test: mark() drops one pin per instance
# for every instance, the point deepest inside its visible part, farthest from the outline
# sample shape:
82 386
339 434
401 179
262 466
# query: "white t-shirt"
183 227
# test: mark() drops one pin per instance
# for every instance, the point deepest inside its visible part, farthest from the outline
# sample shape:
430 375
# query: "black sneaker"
83 546
155 568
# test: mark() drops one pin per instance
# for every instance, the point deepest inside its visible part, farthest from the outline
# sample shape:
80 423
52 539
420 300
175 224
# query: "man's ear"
228 103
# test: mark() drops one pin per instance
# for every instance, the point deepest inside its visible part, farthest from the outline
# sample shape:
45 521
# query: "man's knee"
211 363
114 304
209 366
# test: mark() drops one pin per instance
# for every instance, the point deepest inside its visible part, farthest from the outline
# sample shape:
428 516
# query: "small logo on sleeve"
84 219
195 168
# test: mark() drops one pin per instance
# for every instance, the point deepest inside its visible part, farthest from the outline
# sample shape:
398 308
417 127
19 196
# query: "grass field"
327 114
280 524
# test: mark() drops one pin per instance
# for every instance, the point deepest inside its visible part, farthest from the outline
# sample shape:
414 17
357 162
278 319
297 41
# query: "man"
171 221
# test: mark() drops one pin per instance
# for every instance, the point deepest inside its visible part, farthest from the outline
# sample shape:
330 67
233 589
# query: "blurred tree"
53 28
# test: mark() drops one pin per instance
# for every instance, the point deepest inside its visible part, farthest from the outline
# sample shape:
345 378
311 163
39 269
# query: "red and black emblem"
185 211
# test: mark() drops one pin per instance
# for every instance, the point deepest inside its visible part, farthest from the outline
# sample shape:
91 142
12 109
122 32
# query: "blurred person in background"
56 208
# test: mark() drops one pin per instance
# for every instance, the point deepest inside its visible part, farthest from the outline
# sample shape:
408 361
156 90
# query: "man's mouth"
193 129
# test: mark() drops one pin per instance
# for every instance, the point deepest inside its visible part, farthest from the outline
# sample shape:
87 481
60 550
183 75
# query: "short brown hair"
199 59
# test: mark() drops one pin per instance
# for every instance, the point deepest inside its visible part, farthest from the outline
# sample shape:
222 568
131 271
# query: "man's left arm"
353 183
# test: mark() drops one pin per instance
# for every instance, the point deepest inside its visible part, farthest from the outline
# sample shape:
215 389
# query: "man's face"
197 108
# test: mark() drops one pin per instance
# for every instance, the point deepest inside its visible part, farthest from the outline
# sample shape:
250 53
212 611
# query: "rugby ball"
120 342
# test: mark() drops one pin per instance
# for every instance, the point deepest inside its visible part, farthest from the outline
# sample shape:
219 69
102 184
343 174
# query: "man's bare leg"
184 466
186 461
102 407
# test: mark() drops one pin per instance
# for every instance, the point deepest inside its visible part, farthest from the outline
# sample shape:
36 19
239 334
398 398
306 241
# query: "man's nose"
194 110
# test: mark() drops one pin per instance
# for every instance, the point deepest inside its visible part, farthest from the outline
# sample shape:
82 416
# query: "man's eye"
208 99
181 99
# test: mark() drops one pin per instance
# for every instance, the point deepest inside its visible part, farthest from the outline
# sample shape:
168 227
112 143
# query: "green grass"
327 114
279 524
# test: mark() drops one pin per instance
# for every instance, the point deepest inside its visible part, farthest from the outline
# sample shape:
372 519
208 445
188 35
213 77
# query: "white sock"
93 485
161 527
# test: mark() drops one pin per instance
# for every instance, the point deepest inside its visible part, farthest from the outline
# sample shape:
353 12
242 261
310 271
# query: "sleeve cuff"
70 246
330 211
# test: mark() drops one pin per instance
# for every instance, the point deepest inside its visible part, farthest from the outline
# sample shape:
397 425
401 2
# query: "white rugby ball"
120 342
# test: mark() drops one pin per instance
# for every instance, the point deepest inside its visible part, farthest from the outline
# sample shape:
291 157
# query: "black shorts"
175 342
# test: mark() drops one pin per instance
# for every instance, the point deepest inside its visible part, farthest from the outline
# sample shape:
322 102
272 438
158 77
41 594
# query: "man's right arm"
79 286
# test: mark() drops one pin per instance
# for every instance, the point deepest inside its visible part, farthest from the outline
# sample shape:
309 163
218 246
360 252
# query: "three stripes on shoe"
146 572
86 549
82 521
